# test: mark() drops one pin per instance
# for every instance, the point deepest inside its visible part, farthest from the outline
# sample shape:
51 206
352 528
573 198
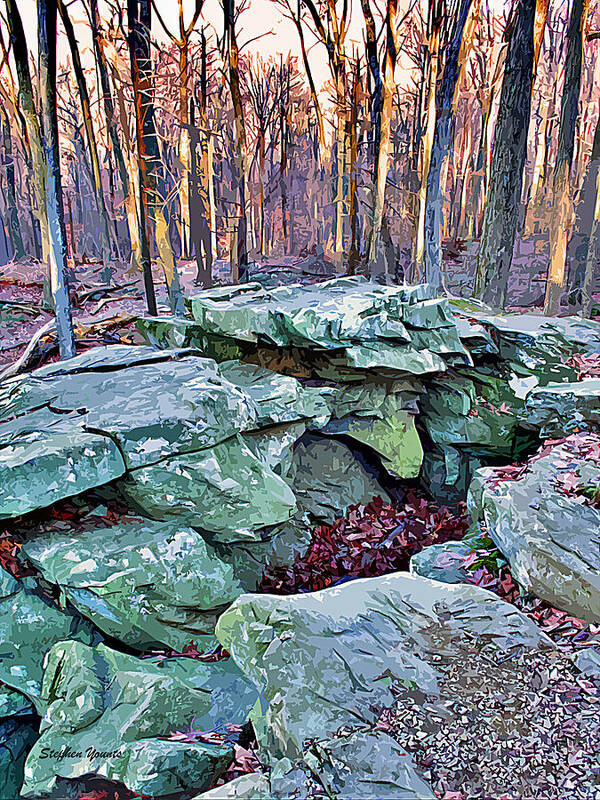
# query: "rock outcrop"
544 519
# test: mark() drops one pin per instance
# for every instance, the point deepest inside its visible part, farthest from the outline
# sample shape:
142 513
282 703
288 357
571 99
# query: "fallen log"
83 330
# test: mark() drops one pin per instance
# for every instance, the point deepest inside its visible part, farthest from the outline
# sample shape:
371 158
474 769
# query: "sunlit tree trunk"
509 151
354 254
139 51
47 13
240 157
377 261
105 238
428 138
562 199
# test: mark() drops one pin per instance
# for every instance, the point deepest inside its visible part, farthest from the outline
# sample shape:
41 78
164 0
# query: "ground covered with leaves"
523 729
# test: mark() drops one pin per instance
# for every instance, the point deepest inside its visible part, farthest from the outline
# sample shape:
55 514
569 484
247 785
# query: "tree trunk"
428 138
47 13
27 105
139 53
354 255
378 262
14 226
150 155
444 119
562 199
587 251
199 202
184 149
240 158
509 151
105 239
111 124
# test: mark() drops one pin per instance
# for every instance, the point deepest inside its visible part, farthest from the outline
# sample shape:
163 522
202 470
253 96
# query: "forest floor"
104 311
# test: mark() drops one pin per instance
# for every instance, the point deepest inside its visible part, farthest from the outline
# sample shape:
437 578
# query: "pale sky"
261 17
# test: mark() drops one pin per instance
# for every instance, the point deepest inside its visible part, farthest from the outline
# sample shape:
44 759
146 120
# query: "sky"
263 19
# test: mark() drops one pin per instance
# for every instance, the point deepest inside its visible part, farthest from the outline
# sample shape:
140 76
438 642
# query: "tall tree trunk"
184 145
591 215
150 155
377 259
111 123
105 238
47 13
199 199
562 198
509 151
444 119
139 53
240 158
354 255
429 135
14 226
284 98
261 191
27 106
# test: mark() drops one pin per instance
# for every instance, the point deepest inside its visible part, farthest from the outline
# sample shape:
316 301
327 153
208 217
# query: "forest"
451 143
299 400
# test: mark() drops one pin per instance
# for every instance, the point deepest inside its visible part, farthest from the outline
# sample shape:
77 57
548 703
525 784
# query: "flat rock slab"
111 716
533 343
540 519
82 425
144 582
350 323
327 661
40 468
559 409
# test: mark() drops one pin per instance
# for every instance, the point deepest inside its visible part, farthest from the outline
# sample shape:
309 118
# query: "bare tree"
47 13
240 159
562 217
508 158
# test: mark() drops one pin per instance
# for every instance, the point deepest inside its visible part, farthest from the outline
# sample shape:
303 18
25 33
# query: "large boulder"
225 490
469 415
338 329
542 522
89 422
143 582
327 664
45 458
111 715
30 624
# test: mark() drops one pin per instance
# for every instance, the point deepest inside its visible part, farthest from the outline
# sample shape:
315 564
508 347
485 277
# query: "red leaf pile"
568 631
368 541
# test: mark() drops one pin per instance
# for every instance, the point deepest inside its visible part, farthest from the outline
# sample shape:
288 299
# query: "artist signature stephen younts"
91 754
